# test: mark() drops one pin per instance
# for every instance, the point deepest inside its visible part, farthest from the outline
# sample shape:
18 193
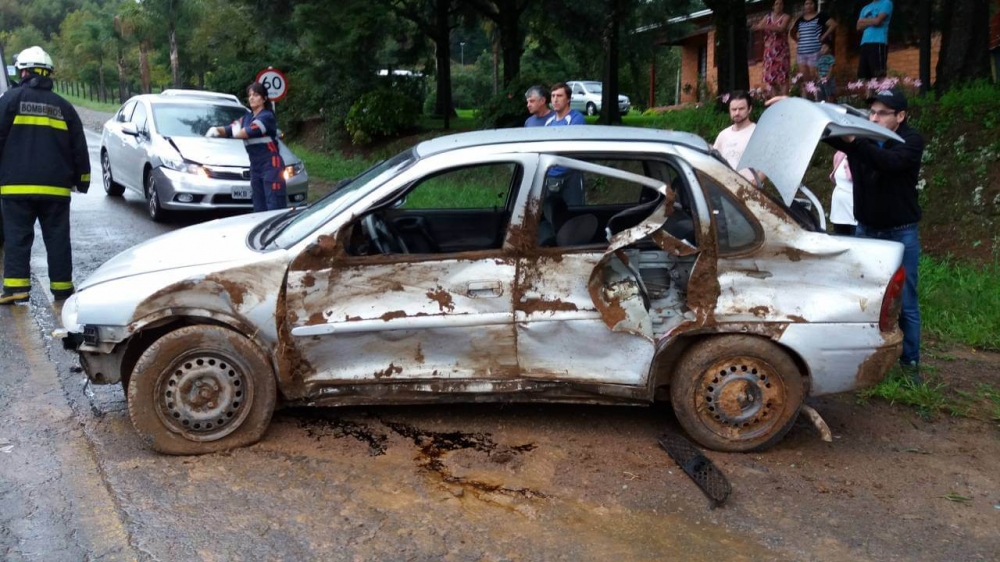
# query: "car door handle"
484 289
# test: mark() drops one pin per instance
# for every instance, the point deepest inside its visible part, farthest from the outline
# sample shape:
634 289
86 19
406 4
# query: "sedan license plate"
242 193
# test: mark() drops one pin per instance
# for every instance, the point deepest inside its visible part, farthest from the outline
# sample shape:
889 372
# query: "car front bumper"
212 193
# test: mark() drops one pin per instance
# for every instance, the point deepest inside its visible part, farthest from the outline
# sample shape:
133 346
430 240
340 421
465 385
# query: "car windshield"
190 120
593 87
326 208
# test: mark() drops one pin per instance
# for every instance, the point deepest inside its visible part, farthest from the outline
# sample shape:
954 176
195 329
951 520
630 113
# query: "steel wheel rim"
204 396
740 398
106 171
154 202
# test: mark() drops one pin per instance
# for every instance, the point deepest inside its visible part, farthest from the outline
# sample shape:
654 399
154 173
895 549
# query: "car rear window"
191 120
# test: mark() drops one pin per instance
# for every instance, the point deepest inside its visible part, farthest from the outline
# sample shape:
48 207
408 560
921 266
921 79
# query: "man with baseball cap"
886 205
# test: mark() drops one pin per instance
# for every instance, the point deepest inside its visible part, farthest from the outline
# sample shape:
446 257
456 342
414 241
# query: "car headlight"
295 169
180 165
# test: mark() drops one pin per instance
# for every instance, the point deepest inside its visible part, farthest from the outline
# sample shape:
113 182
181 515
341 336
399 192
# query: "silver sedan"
154 145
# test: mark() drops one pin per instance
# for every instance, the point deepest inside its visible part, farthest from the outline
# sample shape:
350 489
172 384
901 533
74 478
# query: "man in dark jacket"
43 157
886 204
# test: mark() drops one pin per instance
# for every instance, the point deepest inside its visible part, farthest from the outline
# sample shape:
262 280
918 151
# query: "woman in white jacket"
842 200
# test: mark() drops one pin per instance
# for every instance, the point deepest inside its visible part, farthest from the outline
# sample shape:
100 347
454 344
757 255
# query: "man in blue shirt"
537 98
563 181
874 25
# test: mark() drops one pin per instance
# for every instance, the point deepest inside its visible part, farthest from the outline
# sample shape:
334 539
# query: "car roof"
544 134
222 99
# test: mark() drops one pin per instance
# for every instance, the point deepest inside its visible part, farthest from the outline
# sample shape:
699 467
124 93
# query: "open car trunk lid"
783 143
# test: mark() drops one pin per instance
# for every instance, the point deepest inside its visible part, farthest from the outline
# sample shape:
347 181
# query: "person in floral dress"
777 55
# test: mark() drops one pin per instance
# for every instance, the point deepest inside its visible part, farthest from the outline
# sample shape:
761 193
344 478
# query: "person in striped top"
809 31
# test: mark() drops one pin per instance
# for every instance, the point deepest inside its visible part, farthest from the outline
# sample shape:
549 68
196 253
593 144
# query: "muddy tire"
201 389
736 393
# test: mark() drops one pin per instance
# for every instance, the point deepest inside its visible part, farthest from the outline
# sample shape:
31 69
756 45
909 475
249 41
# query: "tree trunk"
964 43
144 73
443 105
120 63
730 44
100 72
511 43
610 114
175 61
496 63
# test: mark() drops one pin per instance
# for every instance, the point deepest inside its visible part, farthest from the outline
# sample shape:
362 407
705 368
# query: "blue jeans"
909 316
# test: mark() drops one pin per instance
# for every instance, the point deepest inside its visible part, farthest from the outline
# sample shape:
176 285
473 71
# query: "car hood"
783 143
221 152
218 241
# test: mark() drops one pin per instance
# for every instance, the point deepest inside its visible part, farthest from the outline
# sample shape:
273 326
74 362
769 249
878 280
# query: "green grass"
86 102
928 398
960 302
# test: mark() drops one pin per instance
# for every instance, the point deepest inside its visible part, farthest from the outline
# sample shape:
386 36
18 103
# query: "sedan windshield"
326 208
189 120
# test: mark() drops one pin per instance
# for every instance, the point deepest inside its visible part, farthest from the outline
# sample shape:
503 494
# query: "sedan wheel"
111 187
156 212
737 393
201 389
591 109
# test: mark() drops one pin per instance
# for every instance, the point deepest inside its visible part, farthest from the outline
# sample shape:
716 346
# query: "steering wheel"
383 236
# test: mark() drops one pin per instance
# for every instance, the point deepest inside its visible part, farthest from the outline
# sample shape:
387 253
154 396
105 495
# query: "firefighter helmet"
32 58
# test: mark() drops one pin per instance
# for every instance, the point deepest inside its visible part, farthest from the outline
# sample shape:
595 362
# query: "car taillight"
892 302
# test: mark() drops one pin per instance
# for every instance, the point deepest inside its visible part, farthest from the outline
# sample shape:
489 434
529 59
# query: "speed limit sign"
275 82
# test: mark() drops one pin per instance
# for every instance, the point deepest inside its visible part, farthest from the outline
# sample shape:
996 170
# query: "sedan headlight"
291 171
180 165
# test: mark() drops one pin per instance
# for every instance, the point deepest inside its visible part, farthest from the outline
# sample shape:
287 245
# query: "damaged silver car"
576 264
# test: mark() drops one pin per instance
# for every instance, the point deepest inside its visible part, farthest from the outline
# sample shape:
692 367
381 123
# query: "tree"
964 43
136 22
506 14
84 36
730 18
434 18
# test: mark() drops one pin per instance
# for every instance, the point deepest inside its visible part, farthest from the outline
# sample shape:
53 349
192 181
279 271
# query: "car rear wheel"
201 389
153 207
111 187
591 108
736 393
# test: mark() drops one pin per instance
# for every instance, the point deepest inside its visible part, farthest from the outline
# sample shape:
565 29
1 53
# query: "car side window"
578 89
139 118
486 186
125 112
734 228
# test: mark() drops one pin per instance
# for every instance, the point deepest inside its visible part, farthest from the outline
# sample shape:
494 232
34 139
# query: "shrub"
506 109
381 114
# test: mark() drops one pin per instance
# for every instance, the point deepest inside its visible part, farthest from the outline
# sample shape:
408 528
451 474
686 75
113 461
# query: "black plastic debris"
697 466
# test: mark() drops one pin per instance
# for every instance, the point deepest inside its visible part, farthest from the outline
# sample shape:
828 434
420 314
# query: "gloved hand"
212 132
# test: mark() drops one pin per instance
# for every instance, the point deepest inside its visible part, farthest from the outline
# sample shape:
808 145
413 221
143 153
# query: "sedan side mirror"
129 129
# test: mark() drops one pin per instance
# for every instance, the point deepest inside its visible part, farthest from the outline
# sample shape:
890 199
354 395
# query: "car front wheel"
111 187
201 389
153 207
736 393
591 109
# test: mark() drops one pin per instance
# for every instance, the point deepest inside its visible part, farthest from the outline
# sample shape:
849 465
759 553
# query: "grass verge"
89 104
960 302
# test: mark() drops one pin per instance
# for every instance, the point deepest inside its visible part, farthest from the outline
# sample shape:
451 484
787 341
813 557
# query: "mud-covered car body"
388 292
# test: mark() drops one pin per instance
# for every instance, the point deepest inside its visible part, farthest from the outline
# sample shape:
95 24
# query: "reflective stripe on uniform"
258 140
85 177
41 121
260 125
16 282
61 285
33 190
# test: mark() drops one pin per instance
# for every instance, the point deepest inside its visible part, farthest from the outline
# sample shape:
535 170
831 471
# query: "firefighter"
259 131
43 157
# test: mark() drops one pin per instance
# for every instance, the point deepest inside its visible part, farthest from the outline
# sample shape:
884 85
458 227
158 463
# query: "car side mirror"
129 129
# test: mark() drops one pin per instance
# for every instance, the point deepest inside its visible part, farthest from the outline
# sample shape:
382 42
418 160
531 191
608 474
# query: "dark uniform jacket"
43 150
885 178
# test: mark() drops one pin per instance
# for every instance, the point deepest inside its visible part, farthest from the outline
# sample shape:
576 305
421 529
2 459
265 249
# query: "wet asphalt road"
427 483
